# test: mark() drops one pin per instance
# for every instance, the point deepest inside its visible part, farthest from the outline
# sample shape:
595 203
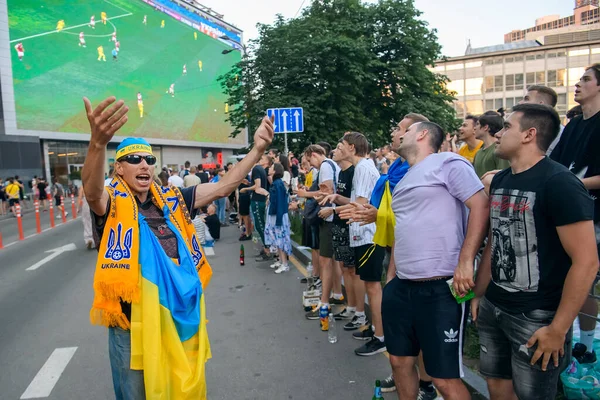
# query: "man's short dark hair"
314 148
325 146
436 134
472 118
200 167
359 141
574 112
187 164
493 121
543 118
550 96
596 68
274 151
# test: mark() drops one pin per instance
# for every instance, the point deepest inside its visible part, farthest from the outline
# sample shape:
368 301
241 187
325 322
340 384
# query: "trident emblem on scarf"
117 250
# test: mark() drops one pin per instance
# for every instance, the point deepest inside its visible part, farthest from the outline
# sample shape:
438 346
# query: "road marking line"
299 266
43 230
55 253
64 29
209 251
45 380
114 5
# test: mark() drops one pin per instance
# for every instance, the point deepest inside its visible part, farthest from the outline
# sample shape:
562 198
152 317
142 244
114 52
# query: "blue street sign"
287 120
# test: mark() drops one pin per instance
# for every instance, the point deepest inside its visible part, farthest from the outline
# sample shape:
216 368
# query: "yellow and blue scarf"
169 341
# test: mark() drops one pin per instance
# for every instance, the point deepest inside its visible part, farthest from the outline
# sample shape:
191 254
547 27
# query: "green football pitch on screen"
57 70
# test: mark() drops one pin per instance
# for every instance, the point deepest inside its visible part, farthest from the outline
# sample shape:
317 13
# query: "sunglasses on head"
136 159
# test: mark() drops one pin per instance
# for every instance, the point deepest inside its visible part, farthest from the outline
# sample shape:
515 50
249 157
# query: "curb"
474 382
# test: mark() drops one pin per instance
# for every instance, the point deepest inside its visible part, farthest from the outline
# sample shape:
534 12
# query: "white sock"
338 296
351 309
380 338
587 338
324 304
360 314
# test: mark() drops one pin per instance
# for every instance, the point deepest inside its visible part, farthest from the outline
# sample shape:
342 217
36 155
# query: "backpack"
311 207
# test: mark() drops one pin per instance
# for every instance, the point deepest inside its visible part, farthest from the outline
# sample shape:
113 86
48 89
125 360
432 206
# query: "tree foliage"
351 66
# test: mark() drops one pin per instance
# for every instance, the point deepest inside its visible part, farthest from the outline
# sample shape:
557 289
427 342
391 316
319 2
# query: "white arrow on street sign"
284 114
55 253
296 115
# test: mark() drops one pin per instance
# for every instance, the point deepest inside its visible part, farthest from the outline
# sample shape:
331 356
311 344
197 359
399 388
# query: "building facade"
496 77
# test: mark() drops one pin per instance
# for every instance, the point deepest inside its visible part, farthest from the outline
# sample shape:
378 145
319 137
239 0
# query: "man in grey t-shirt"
441 216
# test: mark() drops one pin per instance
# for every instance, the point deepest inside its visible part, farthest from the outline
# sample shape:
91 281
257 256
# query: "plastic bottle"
324 317
242 256
377 395
332 332
309 268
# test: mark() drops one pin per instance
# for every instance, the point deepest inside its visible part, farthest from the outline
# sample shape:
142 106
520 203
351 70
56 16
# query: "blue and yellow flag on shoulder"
169 340
382 200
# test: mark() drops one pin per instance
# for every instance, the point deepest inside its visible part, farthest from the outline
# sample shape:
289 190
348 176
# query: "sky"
483 22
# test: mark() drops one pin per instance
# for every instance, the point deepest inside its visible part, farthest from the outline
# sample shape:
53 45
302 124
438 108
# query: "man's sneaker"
372 347
425 395
282 268
275 265
244 238
344 315
365 334
356 323
583 356
388 385
264 257
333 300
313 314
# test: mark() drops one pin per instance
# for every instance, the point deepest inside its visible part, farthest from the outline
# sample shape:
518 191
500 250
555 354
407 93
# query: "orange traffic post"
38 225
62 210
51 210
1 245
20 222
73 210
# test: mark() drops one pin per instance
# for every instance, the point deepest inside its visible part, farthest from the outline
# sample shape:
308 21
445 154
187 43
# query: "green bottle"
377 395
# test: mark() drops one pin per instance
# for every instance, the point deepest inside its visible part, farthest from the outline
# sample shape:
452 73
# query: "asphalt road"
263 347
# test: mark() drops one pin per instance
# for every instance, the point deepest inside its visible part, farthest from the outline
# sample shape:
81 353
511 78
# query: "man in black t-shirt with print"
538 265
579 151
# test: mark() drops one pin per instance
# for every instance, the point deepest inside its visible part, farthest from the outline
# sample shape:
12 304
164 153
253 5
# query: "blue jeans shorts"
128 383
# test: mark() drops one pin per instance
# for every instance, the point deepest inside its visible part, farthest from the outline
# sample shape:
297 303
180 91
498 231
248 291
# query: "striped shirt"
365 177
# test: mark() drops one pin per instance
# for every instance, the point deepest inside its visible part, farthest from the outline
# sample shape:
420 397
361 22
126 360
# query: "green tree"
351 66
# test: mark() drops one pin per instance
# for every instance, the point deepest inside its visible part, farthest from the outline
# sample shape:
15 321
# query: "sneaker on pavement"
583 356
345 314
313 314
425 395
355 323
243 238
264 257
388 385
282 268
318 283
365 334
372 347
275 265
333 300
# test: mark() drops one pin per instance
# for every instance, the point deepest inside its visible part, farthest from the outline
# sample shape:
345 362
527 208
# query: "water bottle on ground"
309 268
310 281
377 395
332 333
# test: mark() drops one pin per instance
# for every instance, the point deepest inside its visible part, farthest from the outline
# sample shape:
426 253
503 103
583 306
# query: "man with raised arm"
151 271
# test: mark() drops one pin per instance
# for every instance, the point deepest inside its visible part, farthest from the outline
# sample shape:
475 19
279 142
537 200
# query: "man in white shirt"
368 256
175 180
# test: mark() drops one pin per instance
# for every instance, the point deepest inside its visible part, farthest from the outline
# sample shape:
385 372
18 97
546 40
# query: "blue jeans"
128 383
502 353
221 209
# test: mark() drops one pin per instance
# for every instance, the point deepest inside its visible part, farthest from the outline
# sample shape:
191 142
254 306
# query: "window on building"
561 105
579 52
561 54
518 58
509 59
539 56
530 57
473 64
475 107
551 55
489 61
540 78
460 108
556 77
451 67
489 104
494 83
498 104
474 86
518 81
457 86
530 78
514 81
498 60
575 75
510 103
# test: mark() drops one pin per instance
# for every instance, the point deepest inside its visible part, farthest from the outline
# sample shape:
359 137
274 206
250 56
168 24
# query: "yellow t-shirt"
468 153
12 191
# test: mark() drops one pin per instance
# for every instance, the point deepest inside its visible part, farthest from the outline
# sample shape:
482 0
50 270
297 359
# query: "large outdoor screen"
161 61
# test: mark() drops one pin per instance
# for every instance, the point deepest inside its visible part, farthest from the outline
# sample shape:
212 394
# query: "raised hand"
264 134
105 121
